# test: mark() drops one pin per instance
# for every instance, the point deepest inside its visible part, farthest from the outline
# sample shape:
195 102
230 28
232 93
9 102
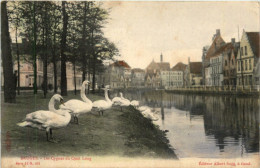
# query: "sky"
178 30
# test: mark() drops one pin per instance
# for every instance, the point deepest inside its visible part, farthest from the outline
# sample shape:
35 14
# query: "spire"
161 57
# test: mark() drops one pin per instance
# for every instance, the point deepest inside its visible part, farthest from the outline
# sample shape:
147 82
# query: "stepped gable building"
248 60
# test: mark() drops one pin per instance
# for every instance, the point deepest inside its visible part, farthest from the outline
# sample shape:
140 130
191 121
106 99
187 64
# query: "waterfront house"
208 52
178 74
247 59
217 64
229 64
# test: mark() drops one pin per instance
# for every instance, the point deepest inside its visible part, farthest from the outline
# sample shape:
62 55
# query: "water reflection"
203 126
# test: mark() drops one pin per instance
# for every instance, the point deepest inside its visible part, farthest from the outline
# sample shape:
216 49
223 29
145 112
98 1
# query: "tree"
63 47
9 79
15 20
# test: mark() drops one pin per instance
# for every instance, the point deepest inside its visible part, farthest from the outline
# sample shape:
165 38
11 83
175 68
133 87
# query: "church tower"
161 57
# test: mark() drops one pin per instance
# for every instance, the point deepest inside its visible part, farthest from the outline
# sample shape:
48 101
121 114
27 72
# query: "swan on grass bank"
79 107
120 101
48 120
102 105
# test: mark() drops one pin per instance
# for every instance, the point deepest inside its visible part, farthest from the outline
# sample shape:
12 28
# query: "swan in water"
77 106
48 120
102 105
147 112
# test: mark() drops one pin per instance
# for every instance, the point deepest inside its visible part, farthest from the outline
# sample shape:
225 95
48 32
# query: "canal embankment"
117 133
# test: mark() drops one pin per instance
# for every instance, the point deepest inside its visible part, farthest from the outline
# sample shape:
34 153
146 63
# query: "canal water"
206 126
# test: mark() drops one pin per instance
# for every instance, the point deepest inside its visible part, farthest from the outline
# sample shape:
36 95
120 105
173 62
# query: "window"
232 62
238 66
245 50
225 62
250 66
241 51
242 65
245 64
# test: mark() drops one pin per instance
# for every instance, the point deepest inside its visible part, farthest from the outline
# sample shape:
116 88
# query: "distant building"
193 74
208 52
178 74
138 77
117 75
27 71
248 59
153 73
229 64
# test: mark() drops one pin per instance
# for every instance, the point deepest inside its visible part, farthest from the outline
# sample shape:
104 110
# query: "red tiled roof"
196 67
121 63
179 67
253 38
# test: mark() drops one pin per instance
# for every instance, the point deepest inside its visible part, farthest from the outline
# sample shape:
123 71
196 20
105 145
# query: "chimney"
161 57
233 41
218 32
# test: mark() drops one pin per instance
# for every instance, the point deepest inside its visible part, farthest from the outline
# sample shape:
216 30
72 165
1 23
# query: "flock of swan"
55 119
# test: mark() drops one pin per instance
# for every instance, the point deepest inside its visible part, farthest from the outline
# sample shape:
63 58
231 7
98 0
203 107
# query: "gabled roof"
179 67
253 38
121 64
196 67
137 70
164 66
158 66
217 42
225 48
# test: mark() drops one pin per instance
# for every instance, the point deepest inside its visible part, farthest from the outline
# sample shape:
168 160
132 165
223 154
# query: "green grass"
125 133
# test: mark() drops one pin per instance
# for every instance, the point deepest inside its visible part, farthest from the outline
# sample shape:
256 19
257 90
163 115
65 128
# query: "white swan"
77 106
102 105
149 114
121 101
48 120
143 108
134 103
117 100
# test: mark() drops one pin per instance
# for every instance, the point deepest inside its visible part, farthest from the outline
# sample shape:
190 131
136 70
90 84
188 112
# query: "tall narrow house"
248 60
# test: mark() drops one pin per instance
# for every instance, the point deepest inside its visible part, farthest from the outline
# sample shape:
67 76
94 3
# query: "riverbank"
116 133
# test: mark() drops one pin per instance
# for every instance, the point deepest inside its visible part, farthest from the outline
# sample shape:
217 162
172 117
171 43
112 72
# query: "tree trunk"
18 63
89 67
9 79
74 73
54 63
45 64
34 52
94 74
63 47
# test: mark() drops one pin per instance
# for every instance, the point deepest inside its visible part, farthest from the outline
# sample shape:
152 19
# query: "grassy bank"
124 133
